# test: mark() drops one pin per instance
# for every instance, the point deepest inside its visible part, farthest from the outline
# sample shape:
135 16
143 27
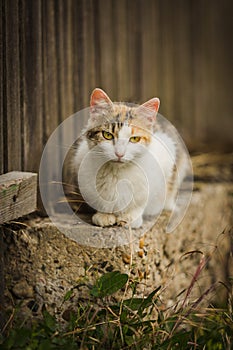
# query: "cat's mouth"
119 161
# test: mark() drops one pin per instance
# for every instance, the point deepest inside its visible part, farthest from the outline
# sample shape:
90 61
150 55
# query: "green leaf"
19 337
134 304
109 283
49 320
129 340
177 341
68 295
10 341
148 301
45 345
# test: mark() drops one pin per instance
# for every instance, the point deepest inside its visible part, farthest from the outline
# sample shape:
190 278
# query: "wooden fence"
54 52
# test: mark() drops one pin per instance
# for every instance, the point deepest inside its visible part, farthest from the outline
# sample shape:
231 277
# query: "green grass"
102 322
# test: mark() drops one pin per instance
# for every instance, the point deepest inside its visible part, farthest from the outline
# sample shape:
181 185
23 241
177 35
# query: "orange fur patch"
145 136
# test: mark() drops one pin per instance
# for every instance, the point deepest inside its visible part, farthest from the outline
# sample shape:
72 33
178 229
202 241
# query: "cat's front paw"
127 221
103 219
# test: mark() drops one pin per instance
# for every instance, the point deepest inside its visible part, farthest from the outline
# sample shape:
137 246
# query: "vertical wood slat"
201 70
151 41
97 48
134 49
77 58
107 64
121 50
32 80
13 131
64 67
64 58
2 279
219 58
183 71
50 81
51 103
1 94
168 33
89 80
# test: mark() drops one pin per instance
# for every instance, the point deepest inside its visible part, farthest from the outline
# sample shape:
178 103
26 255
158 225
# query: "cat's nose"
119 154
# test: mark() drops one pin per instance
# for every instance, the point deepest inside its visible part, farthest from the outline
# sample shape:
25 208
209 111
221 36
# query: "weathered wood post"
2 282
18 197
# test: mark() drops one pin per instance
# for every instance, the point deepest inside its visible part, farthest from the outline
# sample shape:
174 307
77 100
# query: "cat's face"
120 133
119 142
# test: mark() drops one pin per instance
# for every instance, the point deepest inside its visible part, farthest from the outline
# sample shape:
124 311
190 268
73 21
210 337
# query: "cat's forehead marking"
115 127
123 113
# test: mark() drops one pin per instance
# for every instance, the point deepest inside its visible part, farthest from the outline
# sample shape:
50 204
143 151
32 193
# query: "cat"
125 163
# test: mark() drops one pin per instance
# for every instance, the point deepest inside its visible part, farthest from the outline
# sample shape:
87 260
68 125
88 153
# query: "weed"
133 323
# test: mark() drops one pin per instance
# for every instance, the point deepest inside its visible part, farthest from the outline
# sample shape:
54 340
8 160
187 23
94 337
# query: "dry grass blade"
200 267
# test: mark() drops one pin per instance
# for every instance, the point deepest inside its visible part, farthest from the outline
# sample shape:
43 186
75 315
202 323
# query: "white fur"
123 192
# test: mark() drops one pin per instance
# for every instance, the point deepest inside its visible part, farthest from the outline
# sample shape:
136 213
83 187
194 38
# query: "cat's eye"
135 139
107 135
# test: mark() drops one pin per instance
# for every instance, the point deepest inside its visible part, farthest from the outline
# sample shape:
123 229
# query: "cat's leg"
170 199
177 186
103 219
173 187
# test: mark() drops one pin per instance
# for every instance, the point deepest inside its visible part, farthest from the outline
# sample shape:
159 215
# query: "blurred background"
55 52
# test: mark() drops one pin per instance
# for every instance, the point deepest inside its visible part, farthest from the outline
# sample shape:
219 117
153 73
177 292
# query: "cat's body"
125 163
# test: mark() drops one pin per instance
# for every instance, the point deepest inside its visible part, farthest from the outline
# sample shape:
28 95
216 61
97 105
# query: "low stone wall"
42 264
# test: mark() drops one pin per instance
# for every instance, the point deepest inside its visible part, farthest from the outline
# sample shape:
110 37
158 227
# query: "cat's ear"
148 111
152 105
99 98
101 107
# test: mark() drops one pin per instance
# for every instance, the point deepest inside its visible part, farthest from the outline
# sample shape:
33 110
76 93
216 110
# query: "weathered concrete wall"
42 264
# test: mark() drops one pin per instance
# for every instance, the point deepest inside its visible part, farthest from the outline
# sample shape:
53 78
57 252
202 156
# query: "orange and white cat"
126 164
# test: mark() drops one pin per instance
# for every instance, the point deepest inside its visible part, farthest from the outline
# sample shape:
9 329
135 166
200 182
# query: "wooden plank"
151 52
50 78
107 63
12 76
32 92
77 54
97 48
200 71
2 129
85 40
51 103
167 32
64 37
121 51
183 71
18 194
134 28
65 57
89 82
2 284
219 72
1 93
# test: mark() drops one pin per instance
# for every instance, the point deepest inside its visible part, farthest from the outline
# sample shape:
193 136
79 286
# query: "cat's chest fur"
122 186
110 186
114 187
